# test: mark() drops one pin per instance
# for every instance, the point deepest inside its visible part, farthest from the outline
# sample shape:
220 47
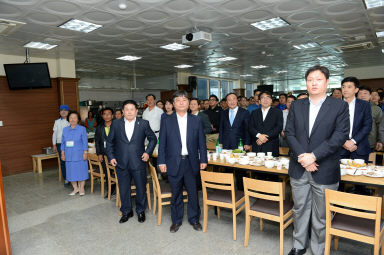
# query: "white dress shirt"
129 128
182 121
313 111
265 112
351 107
234 113
285 117
58 127
154 118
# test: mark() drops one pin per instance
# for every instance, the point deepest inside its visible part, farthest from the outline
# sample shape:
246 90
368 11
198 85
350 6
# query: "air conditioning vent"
7 27
355 47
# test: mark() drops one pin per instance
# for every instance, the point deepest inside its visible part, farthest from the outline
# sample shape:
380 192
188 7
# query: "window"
248 89
231 86
202 89
214 88
224 88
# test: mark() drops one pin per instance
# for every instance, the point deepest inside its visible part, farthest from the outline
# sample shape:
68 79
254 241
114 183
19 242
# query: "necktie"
231 117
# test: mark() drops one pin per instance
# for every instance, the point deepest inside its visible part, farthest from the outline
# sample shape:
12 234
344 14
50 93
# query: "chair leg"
261 224
328 239
149 197
160 212
376 248
102 186
205 220
218 213
281 238
92 181
234 223
336 243
154 202
109 189
247 229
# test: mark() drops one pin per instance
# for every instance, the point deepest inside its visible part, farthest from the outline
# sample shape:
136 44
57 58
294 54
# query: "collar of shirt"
182 118
197 113
320 102
234 110
353 102
125 120
266 110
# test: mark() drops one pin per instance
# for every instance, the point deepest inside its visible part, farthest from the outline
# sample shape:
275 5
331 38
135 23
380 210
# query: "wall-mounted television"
28 76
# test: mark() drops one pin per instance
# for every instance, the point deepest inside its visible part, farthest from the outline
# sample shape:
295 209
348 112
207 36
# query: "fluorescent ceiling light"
245 75
382 51
282 71
305 46
380 34
373 3
326 58
259 67
226 59
183 66
270 24
80 26
219 72
174 46
129 58
40 45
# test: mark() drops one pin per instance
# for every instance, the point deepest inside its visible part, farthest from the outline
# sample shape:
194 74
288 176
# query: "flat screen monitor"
28 76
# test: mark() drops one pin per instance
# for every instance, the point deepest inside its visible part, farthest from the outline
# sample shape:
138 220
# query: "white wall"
116 95
371 72
58 67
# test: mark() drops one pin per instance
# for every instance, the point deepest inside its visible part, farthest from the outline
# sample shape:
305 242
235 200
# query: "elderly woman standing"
74 148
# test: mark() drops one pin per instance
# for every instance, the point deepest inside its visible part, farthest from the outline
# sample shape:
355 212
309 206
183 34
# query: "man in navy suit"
126 151
182 153
234 125
317 127
360 119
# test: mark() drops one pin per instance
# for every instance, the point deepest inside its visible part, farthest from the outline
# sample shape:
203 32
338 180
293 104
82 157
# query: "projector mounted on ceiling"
197 38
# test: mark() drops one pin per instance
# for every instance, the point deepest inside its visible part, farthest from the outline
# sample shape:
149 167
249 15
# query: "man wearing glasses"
214 112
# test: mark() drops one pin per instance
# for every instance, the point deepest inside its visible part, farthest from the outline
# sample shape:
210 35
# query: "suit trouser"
62 163
124 177
309 201
186 177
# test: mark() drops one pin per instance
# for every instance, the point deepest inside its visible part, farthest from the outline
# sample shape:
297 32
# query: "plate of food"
375 174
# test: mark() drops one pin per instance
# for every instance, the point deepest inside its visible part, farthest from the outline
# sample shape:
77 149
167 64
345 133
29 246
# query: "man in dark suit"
182 153
194 107
360 118
101 135
317 127
234 125
126 151
265 126
214 113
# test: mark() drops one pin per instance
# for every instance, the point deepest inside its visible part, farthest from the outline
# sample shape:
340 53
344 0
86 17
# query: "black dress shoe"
174 228
197 226
126 217
295 251
141 217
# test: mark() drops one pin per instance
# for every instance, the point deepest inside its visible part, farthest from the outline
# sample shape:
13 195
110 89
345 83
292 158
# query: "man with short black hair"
256 105
214 112
194 107
282 101
153 114
243 102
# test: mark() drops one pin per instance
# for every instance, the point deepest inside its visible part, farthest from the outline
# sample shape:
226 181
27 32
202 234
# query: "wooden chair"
372 158
269 205
223 195
96 171
161 193
283 151
355 217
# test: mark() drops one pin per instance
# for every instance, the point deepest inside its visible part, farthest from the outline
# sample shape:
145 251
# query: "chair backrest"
283 151
266 190
218 181
155 180
94 161
372 158
111 170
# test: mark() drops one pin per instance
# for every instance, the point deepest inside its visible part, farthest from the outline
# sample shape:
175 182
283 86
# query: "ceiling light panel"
282 71
174 46
40 45
80 26
259 67
380 34
305 46
326 58
270 24
373 3
245 75
226 59
183 66
219 72
129 58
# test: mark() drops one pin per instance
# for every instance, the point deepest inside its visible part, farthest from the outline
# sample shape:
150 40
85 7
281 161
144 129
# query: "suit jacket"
205 121
229 136
271 126
329 133
128 153
362 125
214 117
101 139
170 143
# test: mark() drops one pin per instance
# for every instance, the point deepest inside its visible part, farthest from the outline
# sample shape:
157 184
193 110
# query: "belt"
157 131
184 156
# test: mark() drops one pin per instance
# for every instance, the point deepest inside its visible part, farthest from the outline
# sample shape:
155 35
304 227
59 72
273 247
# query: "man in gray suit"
316 130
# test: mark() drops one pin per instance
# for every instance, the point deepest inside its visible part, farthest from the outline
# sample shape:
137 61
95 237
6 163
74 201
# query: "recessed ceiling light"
219 72
259 67
245 75
80 26
282 71
270 24
226 59
305 46
326 58
174 46
373 3
129 58
382 51
40 45
183 66
380 34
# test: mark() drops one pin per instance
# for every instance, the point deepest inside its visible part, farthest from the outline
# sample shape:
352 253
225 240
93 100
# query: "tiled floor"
43 219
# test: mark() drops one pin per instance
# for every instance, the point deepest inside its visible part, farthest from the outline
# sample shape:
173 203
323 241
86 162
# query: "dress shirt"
285 117
154 118
58 127
253 107
351 107
313 111
129 128
234 113
182 121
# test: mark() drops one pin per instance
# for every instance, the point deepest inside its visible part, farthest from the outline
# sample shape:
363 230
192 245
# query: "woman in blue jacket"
74 149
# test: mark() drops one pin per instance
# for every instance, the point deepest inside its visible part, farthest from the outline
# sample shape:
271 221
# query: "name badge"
70 144
105 144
